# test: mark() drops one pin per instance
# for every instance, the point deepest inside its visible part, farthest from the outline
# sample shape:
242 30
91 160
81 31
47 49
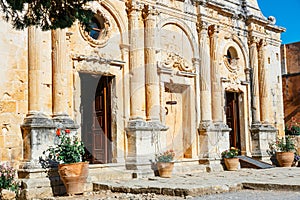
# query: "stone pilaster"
255 108
37 128
61 75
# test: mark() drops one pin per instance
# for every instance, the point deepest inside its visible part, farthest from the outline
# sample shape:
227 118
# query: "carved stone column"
205 84
141 134
216 88
264 84
61 75
261 134
136 61
38 128
214 137
152 78
254 83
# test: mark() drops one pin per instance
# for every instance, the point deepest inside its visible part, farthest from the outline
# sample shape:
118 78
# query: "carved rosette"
173 60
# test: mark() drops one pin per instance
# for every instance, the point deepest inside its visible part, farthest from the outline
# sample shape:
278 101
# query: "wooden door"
96 117
102 122
232 119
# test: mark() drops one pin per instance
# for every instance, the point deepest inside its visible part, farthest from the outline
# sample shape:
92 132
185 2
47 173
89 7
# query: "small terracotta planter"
165 169
285 159
74 176
232 164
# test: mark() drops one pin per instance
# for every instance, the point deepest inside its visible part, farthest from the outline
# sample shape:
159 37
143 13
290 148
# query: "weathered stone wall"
13 91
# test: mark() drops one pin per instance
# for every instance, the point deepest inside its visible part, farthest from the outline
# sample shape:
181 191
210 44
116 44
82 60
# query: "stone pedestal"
38 132
214 139
141 143
261 136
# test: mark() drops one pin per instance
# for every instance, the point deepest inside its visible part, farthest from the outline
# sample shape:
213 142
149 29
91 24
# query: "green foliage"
166 156
231 153
47 14
68 150
7 178
285 144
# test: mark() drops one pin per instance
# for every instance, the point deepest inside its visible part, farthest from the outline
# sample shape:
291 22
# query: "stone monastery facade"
193 76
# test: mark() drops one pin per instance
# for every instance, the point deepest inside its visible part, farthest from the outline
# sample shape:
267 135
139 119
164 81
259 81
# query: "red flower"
58 132
67 131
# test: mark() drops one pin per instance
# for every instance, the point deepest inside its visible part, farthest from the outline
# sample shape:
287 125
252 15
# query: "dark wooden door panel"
97 121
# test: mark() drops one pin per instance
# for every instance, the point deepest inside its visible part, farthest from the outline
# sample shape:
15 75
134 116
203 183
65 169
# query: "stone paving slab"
209 183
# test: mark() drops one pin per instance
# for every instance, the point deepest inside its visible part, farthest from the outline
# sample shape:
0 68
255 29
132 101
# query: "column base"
214 139
141 137
261 136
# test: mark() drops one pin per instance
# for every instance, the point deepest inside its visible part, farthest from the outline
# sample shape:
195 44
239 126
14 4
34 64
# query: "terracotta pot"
232 164
165 169
285 159
74 176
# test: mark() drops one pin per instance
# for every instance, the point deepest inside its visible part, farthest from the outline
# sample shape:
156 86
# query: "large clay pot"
285 159
165 169
232 164
74 176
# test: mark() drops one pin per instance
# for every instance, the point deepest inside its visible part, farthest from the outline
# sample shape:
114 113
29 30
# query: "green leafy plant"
68 150
166 156
284 144
230 153
293 127
7 178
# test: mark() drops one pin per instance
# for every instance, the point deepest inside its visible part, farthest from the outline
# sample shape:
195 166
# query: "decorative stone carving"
173 60
103 27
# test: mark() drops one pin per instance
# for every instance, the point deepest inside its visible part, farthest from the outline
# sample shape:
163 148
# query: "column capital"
149 12
202 26
133 6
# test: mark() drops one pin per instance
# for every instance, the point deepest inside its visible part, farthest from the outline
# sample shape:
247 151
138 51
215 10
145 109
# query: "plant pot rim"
63 164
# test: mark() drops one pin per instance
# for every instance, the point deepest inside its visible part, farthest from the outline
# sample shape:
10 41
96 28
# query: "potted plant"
293 127
164 163
285 149
68 153
9 188
230 159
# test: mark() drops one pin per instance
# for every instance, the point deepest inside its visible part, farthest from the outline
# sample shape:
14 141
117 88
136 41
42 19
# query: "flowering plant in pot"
164 163
68 153
292 127
284 148
8 185
230 159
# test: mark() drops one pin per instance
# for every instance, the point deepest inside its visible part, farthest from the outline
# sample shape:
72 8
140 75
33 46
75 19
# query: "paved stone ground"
198 186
